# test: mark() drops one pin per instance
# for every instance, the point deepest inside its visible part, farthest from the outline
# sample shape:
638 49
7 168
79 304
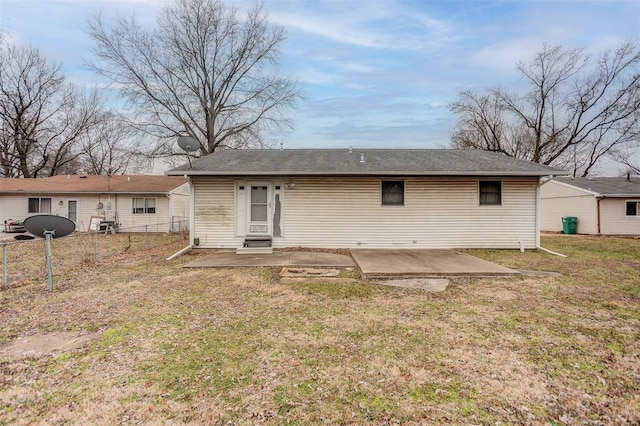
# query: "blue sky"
374 73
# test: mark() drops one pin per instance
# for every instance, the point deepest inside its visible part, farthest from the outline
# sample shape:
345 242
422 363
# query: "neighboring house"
131 202
603 205
372 198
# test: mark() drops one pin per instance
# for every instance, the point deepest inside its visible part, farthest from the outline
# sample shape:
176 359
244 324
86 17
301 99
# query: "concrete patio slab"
374 263
424 263
225 259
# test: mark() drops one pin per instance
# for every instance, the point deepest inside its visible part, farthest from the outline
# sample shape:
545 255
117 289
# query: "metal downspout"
598 212
192 209
538 211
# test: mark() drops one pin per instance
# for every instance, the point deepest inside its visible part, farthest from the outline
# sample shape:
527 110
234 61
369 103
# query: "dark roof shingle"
364 162
607 186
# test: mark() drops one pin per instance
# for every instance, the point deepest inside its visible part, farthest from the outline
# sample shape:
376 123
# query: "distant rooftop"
362 162
124 184
607 186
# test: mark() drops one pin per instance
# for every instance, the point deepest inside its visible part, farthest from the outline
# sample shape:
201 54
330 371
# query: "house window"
490 193
393 193
39 205
144 205
632 208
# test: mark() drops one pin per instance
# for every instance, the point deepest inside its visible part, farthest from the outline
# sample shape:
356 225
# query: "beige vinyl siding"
614 219
436 214
347 213
558 201
214 213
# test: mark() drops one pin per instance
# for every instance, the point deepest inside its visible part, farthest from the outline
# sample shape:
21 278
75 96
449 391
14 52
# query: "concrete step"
257 242
254 250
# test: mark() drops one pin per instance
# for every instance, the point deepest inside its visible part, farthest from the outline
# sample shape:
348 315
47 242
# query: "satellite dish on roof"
48 224
188 143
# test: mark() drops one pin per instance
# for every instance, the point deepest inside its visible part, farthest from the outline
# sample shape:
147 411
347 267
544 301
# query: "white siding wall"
614 220
347 213
16 207
86 208
156 222
558 201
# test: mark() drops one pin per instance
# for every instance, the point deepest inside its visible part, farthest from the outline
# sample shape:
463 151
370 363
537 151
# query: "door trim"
77 219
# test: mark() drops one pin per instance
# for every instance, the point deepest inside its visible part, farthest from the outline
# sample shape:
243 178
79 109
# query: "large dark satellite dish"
188 143
49 226
55 226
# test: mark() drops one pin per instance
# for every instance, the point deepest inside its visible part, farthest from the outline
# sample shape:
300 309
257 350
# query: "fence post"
48 238
4 265
146 236
95 247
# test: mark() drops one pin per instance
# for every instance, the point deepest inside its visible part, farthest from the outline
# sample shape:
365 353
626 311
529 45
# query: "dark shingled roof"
607 186
341 162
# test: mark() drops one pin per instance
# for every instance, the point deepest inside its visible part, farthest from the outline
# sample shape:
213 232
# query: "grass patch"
336 290
210 361
237 346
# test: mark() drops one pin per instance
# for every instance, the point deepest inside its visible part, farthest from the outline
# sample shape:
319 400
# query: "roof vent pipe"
629 176
350 149
361 157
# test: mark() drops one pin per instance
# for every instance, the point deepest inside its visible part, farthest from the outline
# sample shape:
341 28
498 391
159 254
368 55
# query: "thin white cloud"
331 29
381 25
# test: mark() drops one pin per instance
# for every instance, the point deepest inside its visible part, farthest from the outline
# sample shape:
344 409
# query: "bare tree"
109 148
202 72
483 124
41 115
577 111
629 158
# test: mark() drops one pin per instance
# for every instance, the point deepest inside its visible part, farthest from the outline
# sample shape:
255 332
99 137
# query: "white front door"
259 209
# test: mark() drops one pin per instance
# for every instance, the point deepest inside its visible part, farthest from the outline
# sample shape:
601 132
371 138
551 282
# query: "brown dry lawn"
159 344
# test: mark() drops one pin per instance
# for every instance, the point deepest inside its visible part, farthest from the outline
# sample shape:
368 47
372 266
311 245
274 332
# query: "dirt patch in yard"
45 344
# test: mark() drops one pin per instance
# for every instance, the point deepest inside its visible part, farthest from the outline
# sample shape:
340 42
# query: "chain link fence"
24 261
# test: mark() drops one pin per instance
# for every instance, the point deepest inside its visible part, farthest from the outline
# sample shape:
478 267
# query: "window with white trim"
392 193
39 205
632 208
144 206
490 192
